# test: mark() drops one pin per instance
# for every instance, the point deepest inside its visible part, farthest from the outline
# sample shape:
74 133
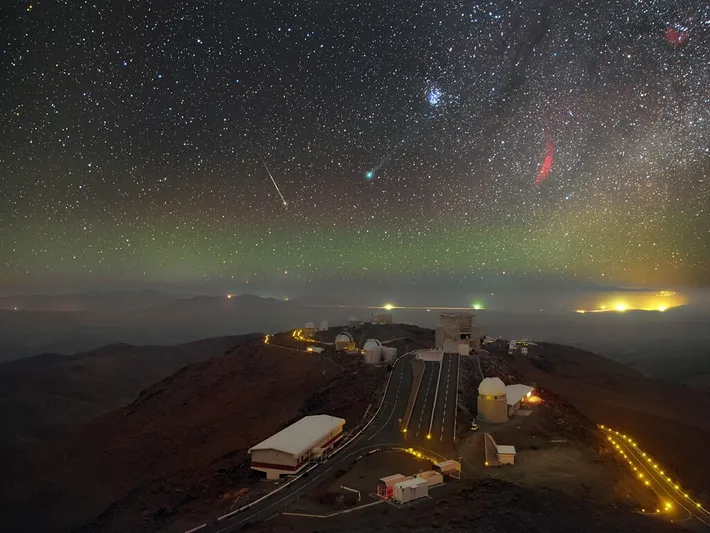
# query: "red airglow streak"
546 163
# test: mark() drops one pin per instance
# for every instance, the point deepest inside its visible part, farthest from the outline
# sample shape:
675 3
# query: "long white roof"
301 436
412 482
515 393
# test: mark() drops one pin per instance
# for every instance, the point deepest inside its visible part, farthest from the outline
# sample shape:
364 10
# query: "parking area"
362 477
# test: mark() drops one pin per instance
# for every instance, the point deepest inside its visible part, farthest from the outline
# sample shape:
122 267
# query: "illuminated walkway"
675 499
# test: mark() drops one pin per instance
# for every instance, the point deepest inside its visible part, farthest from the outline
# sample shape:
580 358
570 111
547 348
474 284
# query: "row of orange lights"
299 336
418 454
654 465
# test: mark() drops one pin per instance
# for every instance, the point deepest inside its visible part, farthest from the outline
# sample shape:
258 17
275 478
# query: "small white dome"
310 325
352 319
491 387
344 337
371 344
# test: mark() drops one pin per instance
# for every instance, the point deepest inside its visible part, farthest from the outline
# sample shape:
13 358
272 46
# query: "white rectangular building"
516 395
431 477
290 450
411 489
506 454
448 467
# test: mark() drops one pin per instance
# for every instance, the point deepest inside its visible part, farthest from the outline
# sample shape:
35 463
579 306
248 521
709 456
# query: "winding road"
692 516
432 408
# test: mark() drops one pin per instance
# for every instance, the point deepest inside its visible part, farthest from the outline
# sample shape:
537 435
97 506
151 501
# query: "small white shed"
506 454
448 467
432 477
411 489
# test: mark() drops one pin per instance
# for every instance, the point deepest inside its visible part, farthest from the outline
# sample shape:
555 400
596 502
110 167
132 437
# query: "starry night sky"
406 138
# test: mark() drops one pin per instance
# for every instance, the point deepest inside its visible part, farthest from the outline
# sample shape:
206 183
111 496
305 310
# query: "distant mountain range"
43 396
673 345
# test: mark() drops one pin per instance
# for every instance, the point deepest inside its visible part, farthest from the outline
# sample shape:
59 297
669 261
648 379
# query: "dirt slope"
483 506
669 421
42 397
183 441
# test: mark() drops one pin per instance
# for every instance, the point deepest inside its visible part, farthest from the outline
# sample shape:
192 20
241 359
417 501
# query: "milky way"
133 135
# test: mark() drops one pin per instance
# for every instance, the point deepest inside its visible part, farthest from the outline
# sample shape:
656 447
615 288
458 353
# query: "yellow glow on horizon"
388 307
634 301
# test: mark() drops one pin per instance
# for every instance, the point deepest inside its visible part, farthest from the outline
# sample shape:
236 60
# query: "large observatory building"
460 330
492 401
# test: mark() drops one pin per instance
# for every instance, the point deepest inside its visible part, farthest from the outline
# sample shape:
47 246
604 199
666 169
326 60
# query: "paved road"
443 421
432 421
383 431
419 420
692 517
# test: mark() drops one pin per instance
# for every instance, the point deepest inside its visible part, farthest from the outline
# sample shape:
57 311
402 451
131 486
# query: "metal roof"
449 464
515 393
301 436
387 480
504 448
413 482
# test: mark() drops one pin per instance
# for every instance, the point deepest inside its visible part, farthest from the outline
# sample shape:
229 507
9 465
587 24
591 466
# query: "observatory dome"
310 325
346 338
491 387
372 344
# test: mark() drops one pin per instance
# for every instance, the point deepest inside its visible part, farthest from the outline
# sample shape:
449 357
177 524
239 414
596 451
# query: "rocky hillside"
483 506
43 397
182 443
668 419
179 450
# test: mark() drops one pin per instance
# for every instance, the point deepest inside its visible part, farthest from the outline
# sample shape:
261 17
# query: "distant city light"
621 308
478 306
229 297
389 307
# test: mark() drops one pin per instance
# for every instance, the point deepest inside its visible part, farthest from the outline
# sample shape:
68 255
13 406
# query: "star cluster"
405 136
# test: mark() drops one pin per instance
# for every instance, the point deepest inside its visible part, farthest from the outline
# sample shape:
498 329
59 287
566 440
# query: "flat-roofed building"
458 329
506 454
432 477
515 396
448 467
291 449
411 489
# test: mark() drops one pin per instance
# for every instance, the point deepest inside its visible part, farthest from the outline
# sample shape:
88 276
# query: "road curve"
382 432
692 516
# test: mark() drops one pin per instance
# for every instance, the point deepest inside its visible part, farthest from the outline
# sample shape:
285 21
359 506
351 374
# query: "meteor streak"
274 182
